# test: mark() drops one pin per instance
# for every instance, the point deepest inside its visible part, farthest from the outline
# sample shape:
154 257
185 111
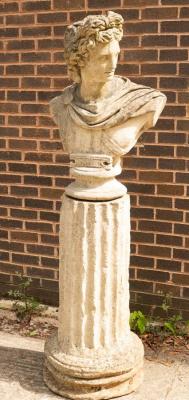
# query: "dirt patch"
38 326
41 326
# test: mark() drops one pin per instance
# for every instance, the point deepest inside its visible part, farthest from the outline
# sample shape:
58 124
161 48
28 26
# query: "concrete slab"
21 364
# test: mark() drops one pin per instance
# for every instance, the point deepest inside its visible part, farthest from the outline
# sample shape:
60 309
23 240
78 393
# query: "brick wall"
34 169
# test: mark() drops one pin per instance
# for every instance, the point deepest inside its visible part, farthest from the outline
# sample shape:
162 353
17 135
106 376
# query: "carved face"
102 62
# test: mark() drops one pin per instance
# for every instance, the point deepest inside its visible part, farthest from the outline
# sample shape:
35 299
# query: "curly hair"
83 35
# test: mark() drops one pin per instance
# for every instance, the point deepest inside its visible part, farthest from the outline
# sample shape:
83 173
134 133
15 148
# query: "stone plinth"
94 355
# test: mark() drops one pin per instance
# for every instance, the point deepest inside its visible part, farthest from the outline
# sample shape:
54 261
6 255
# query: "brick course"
34 168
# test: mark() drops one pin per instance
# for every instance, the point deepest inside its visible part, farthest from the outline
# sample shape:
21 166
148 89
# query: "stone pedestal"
100 117
94 355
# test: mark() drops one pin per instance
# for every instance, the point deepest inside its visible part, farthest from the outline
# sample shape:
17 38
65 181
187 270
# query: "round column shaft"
94 342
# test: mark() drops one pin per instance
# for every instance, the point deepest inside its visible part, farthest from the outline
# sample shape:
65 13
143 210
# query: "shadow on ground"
23 366
21 374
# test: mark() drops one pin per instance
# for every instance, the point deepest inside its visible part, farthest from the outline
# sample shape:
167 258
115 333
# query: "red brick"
36 5
169 240
129 41
9 82
23 214
181 279
129 14
181 229
36 31
140 55
172 164
39 226
100 4
52 18
69 5
140 3
37 180
175 26
49 69
24 236
157 150
25 259
169 265
141 188
170 190
21 95
182 204
159 69
141 286
160 13
20 19
35 57
183 97
39 157
167 137
21 120
184 40
169 215
8 58
155 201
142 213
155 226
22 144
50 239
174 2
152 275
50 44
8 7
174 54
142 237
39 249
183 69
35 82
38 204
174 83
35 108
40 272
9 32
23 191
156 176
9 108
49 262
144 262
9 132
141 27
20 45
6 178
181 254
159 40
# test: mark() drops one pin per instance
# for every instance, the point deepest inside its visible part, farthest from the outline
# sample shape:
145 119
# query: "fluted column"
94 355
94 261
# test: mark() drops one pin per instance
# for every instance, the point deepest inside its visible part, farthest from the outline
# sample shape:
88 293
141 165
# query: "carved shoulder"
59 103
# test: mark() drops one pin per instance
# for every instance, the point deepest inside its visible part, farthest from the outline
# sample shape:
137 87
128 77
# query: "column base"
95 378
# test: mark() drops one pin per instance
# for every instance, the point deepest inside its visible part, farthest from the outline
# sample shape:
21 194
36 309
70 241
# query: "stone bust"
101 115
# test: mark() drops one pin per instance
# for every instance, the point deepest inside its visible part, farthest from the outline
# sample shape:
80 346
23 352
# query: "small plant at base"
24 305
138 322
171 325
167 302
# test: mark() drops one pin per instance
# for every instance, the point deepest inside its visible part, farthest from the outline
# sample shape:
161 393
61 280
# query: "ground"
166 367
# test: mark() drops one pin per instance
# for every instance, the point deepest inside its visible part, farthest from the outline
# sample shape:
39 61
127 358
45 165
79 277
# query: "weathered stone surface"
21 373
95 355
100 117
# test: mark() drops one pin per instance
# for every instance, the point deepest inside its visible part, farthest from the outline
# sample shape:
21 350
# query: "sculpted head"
92 47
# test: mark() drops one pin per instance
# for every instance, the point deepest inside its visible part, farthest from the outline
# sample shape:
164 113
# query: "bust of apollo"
101 114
